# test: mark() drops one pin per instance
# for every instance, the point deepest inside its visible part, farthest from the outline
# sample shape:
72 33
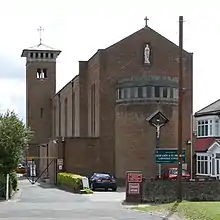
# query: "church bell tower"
40 87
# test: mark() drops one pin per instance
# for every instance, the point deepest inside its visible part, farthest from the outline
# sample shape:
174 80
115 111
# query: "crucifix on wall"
158 120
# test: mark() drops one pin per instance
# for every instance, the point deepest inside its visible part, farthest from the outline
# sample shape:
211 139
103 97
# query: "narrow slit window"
157 91
45 73
41 55
38 73
41 112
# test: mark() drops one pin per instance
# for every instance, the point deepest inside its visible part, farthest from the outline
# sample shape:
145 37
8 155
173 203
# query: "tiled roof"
202 144
213 108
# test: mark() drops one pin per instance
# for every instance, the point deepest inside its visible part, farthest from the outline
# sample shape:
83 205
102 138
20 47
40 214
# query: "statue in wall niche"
147 54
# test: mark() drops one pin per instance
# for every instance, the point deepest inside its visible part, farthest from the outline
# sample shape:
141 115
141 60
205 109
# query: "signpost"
60 164
168 156
134 180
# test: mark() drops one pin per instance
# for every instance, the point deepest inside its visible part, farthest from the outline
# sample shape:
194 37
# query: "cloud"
13 96
11 69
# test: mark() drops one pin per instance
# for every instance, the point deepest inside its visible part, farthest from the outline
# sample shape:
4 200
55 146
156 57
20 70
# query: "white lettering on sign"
134 188
135 177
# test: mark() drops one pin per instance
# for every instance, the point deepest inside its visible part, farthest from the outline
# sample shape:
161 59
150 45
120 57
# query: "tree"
14 139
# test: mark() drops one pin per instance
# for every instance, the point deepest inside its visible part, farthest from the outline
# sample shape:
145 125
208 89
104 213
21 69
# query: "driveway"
34 202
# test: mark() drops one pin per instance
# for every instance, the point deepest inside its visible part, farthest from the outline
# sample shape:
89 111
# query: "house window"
205 128
210 128
202 165
216 127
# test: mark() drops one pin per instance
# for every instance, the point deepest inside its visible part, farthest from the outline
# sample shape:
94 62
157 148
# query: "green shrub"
13 181
86 191
73 181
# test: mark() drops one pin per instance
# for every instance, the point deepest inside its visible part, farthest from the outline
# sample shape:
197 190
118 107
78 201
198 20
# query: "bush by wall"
72 181
165 191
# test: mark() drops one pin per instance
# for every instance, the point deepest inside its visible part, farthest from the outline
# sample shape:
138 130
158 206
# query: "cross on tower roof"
40 30
146 19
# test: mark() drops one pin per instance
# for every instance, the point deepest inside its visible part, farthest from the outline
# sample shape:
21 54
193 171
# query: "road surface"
34 202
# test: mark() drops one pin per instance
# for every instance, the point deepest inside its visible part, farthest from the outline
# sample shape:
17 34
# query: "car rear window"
102 175
175 172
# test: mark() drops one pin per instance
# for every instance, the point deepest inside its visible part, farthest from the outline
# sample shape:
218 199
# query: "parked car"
21 169
171 174
103 181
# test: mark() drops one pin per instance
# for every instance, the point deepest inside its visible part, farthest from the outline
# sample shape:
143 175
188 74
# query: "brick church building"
99 121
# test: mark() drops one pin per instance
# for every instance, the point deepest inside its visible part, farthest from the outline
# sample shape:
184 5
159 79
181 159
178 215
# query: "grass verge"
189 210
86 191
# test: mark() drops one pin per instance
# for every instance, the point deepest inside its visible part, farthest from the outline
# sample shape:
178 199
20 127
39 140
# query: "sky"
80 27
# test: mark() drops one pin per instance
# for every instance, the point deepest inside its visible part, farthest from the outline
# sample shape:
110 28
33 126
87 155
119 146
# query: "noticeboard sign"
134 188
168 156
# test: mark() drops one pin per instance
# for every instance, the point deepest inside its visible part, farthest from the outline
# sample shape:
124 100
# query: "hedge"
73 182
70 180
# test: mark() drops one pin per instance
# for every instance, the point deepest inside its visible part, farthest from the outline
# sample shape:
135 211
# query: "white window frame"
200 161
213 125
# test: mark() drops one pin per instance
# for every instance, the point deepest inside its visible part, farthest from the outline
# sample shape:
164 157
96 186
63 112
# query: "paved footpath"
34 202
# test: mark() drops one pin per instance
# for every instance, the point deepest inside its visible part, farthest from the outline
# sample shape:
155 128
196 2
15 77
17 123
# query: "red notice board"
135 177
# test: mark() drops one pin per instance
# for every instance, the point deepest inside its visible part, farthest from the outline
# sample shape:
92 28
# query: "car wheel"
106 189
114 189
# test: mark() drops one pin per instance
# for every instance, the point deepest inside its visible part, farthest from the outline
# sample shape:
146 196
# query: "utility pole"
180 142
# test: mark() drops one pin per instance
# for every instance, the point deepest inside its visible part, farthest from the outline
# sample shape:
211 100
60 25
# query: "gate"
41 169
